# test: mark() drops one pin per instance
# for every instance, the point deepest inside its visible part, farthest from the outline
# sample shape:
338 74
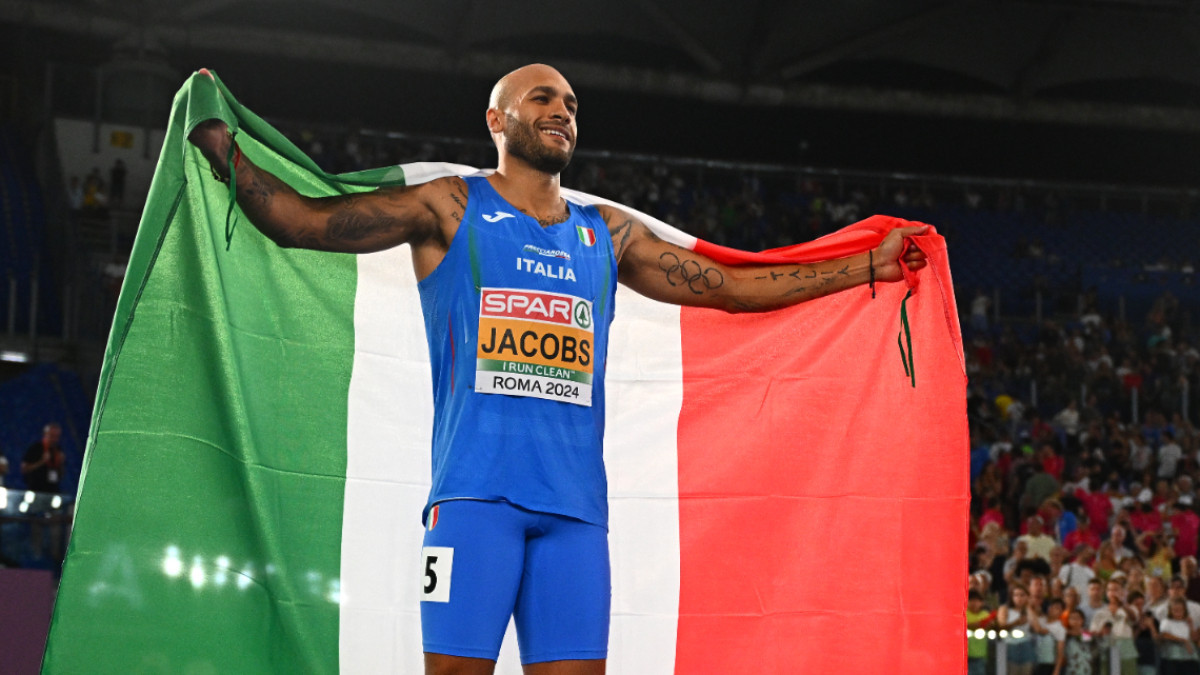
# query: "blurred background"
1053 143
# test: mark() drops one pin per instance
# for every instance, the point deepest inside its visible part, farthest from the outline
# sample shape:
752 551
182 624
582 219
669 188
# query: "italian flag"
783 498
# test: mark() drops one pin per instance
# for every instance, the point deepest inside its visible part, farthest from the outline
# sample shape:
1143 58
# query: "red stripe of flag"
823 511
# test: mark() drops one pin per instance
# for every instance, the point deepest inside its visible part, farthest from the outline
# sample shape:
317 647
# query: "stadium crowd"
1084 511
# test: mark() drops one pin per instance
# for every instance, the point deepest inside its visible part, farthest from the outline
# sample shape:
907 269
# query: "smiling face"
532 118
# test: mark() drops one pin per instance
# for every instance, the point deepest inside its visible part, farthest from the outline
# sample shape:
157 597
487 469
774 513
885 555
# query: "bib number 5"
437 565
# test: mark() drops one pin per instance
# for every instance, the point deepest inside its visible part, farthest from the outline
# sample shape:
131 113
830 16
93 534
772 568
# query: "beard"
524 142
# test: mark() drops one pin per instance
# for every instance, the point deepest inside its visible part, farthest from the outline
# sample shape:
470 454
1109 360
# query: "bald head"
515 84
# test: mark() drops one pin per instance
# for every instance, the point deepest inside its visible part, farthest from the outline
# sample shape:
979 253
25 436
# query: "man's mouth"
556 133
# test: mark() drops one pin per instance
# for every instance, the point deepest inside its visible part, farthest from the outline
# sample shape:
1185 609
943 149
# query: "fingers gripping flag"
782 497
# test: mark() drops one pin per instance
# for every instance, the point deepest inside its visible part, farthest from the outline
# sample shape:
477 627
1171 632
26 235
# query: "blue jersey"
517 318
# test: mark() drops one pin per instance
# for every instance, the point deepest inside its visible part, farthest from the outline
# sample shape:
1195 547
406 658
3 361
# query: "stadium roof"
1080 89
1109 62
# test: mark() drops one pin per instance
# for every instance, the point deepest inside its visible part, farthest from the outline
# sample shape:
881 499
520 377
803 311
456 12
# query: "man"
518 501
1082 536
1037 594
1144 632
1145 518
43 464
1156 595
1060 523
1169 455
1078 572
1115 622
1185 525
1038 543
1178 589
1190 571
1120 550
1094 601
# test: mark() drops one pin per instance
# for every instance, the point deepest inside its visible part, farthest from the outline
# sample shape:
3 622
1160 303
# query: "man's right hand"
212 138
425 215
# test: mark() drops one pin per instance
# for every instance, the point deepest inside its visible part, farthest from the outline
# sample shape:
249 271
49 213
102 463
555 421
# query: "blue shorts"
484 561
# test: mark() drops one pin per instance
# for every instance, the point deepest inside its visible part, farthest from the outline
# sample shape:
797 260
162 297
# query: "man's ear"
495 120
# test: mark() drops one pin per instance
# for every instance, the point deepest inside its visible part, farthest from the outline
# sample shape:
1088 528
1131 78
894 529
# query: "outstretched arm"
355 223
669 273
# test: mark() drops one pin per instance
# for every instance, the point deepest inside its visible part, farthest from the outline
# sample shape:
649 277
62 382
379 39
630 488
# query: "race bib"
438 566
534 343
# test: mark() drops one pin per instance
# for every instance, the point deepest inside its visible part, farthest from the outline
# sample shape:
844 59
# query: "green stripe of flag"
207 535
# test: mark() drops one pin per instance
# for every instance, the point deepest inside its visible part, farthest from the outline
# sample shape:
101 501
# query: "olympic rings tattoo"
689 273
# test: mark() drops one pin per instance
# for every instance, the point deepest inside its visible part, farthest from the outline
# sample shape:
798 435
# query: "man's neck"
533 192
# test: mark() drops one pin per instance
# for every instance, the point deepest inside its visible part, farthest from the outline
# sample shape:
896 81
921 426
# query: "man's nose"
560 111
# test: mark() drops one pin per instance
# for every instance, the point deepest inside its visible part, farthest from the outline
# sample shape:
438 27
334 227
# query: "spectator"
1191 577
1177 650
1118 540
1015 618
977 648
1169 455
1079 649
1061 522
1114 623
1067 420
1145 636
1178 591
1019 553
1037 595
1098 507
1038 543
1049 632
1106 564
1078 572
1145 518
1158 554
44 461
979 311
1156 595
1185 526
1140 454
1094 600
1083 535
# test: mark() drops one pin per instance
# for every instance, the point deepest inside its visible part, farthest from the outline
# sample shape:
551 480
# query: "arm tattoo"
462 204
622 233
259 190
350 224
297 239
689 273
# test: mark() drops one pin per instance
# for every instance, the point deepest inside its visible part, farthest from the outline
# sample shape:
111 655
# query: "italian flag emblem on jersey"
586 235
